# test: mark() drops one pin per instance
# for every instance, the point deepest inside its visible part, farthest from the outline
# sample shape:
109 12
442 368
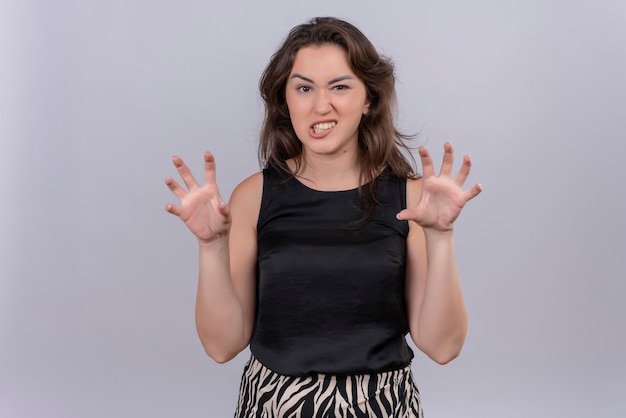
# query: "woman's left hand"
443 196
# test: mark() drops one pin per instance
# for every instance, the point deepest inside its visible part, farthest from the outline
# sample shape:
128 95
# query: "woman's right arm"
225 302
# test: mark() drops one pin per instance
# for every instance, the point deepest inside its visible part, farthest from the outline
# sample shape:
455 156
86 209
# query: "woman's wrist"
436 234
217 242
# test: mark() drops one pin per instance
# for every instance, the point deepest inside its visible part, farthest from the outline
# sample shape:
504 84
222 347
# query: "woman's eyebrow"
333 81
296 75
342 78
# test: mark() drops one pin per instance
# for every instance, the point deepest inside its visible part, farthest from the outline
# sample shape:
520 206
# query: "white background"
98 282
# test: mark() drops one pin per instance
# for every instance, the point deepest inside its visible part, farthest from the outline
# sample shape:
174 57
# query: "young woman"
325 260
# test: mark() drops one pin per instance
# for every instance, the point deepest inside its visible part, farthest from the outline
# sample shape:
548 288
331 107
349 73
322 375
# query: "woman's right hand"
201 208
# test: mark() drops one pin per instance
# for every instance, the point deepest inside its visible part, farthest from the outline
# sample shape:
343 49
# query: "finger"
404 215
463 171
184 172
176 188
173 209
210 177
448 160
223 208
473 192
209 168
427 163
408 215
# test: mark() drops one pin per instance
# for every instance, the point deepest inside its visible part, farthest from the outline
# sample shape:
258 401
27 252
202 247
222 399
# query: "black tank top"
330 298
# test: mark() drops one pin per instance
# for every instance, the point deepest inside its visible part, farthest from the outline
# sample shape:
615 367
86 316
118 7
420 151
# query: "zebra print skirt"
266 394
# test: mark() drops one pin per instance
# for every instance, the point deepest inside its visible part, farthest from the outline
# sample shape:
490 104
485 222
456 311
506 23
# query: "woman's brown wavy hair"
383 149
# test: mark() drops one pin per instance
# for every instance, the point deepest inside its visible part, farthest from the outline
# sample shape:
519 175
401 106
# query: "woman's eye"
340 87
304 89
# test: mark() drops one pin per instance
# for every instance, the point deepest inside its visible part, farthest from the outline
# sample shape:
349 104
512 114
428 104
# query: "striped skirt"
264 393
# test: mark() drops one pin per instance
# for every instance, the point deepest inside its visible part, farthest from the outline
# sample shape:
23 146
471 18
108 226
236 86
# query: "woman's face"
326 100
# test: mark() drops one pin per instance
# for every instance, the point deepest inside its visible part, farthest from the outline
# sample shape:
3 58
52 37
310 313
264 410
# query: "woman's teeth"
321 127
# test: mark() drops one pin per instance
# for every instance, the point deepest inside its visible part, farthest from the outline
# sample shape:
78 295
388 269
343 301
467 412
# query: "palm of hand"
443 196
201 208
440 204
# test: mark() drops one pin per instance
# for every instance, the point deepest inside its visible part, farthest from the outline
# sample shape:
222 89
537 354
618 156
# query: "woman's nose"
322 102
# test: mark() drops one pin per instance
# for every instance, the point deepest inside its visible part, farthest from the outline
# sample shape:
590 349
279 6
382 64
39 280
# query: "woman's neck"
328 172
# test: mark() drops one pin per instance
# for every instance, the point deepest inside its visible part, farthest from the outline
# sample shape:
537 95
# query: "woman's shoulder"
253 180
248 193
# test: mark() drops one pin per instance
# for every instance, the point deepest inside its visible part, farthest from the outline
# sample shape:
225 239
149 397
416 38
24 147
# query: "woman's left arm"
435 306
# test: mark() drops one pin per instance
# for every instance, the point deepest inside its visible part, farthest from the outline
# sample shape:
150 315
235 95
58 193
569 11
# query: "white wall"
98 282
